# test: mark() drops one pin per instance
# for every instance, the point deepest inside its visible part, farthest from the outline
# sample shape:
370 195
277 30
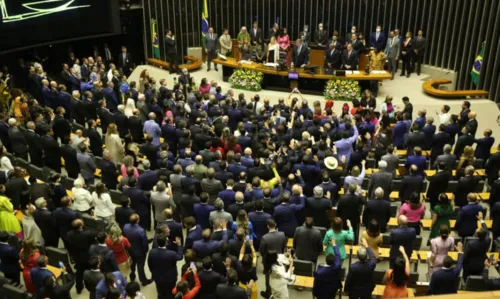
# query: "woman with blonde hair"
114 144
129 107
144 78
243 223
28 256
467 159
273 51
120 246
128 161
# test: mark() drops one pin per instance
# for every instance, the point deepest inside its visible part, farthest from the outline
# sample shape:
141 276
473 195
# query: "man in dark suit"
438 184
149 178
202 211
378 39
9 257
417 160
472 124
378 209
259 221
429 129
356 44
174 226
185 77
307 241
466 184
51 151
381 178
318 206
350 59
92 276
46 222
136 126
139 250
462 141
484 145
95 139
121 121
333 59
123 213
321 35
40 273
109 171
255 33
466 224
272 241
206 246
475 251
327 278
81 240
447 158
125 61
398 132
211 46
18 140
112 101
305 34
401 236
108 259
68 153
273 31
64 217
446 280
171 46
34 145
415 138
105 115
410 184
437 143
349 208
231 289
62 126
139 202
420 44
492 166
285 214
163 265
300 54
209 279
193 232
359 282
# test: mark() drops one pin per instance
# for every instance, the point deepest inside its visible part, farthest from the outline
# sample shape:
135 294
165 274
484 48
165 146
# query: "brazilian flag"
154 39
204 21
476 68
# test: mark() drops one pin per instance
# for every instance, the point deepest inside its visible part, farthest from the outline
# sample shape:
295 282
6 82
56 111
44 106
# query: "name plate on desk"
293 76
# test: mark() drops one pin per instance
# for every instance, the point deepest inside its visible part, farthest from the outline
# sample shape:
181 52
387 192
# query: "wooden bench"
383 252
432 87
427 223
194 65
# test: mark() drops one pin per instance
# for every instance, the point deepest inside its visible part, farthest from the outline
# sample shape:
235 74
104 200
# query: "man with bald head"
382 179
401 236
95 138
151 128
199 169
121 121
483 148
377 208
240 204
466 224
411 183
49 94
210 184
318 207
139 250
472 123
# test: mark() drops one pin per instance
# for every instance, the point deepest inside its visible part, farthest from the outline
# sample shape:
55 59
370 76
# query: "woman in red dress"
120 246
28 256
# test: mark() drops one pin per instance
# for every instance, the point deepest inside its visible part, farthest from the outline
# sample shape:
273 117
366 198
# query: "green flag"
204 21
476 67
154 39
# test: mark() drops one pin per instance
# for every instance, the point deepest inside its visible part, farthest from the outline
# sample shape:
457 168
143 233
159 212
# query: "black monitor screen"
26 23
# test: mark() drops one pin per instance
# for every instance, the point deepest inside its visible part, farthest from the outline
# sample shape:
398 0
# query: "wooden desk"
161 138
383 252
56 271
317 57
303 282
404 153
289 243
194 65
484 195
432 87
233 63
427 223
453 254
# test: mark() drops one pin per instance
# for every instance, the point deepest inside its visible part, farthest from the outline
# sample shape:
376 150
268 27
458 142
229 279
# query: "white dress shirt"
82 199
104 207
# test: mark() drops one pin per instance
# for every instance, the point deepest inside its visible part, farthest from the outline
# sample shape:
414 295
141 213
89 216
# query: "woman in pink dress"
204 86
28 256
440 247
284 43
414 210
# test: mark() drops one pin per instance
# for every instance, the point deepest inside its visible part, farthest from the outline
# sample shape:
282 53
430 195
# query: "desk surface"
427 223
233 63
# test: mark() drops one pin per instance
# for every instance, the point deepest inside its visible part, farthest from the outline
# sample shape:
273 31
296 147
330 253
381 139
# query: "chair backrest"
480 186
378 276
396 185
496 245
68 183
47 173
478 163
303 268
386 241
394 211
115 196
57 255
13 292
98 161
95 224
370 163
322 231
412 281
424 187
475 283
417 242
14 241
366 182
456 210
21 163
467 240
37 172
452 186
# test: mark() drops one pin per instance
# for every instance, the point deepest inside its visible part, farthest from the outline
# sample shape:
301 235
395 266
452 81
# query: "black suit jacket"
80 242
225 291
462 142
136 129
438 141
122 215
95 142
121 121
255 36
91 279
378 209
307 243
151 151
349 207
351 60
35 147
438 184
46 222
410 184
415 139
18 141
301 58
492 167
109 173
68 153
209 281
106 118
171 46
466 185
62 127
124 63
334 58
108 259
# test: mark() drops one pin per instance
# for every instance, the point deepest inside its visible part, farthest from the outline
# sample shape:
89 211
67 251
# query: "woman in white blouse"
114 144
273 51
104 207
129 107
278 276
82 199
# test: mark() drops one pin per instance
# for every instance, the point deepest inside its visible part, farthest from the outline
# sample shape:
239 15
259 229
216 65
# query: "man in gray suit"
219 213
211 42
391 159
272 241
307 241
392 50
447 158
211 185
382 179
87 164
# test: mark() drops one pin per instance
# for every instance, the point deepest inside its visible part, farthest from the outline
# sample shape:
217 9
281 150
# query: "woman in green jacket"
340 237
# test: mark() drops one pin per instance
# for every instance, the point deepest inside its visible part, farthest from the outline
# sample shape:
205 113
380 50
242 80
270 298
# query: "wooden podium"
317 57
